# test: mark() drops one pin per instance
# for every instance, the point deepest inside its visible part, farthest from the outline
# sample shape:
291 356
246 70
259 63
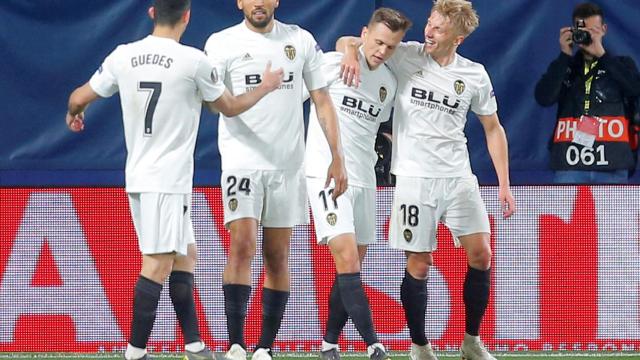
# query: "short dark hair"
585 10
393 19
169 12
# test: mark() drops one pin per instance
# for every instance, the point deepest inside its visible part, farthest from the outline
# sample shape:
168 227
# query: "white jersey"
162 85
431 112
360 112
270 135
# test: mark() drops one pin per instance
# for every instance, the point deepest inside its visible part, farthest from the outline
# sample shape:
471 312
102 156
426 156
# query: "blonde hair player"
437 87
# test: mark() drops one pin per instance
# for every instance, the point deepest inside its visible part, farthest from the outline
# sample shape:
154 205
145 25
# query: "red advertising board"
565 275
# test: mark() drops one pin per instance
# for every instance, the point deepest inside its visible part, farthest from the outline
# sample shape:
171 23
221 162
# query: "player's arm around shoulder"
350 66
499 152
328 120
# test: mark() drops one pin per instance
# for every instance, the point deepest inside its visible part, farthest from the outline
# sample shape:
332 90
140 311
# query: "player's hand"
595 48
75 123
271 80
507 202
338 173
566 40
350 68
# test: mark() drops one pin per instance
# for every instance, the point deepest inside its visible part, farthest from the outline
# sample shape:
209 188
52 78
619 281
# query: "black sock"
357 306
181 292
337 315
413 293
145 305
236 300
273 304
476 297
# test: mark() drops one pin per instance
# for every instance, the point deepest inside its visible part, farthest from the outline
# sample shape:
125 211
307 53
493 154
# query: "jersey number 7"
154 89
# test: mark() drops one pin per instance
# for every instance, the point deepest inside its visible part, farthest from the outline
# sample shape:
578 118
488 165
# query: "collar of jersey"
244 27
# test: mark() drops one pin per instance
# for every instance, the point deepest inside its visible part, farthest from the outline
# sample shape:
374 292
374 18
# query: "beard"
260 24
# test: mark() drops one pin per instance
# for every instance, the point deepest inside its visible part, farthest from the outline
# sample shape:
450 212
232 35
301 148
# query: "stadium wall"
565 275
50 47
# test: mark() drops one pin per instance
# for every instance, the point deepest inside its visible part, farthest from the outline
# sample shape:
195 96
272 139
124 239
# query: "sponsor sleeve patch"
214 75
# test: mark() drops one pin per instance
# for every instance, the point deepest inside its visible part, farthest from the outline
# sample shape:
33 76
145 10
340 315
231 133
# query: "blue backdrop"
49 47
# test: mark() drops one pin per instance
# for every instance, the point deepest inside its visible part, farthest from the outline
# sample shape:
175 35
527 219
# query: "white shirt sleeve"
484 101
104 81
397 59
312 71
213 50
208 80
387 115
331 67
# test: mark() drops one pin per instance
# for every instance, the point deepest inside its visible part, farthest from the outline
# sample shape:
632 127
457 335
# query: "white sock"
133 352
328 346
194 347
371 348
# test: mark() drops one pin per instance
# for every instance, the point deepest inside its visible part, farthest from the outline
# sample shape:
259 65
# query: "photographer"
594 139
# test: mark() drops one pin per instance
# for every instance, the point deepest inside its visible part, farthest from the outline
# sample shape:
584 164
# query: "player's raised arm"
79 99
231 105
350 67
498 150
328 121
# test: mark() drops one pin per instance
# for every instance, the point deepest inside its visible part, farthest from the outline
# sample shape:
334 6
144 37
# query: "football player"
262 154
437 87
348 224
162 86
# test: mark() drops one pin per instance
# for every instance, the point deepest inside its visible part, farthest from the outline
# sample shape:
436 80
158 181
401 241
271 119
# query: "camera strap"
589 71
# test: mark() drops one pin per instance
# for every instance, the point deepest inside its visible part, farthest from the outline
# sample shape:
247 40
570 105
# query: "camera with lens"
579 36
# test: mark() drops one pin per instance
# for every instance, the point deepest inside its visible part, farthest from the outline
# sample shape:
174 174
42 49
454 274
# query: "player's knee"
418 264
242 250
157 269
277 264
186 263
481 258
419 270
347 262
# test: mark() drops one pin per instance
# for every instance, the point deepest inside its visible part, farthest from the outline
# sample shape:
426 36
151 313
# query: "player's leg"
336 320
467 219
243 196
413 229
181 291
236 280
414 295
155 270
363 208
154 217
275 293
477 280
477 284
337 315
330 219
284 207
346 257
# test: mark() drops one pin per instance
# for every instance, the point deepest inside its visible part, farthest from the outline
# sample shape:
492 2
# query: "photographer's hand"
595 49
566 43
